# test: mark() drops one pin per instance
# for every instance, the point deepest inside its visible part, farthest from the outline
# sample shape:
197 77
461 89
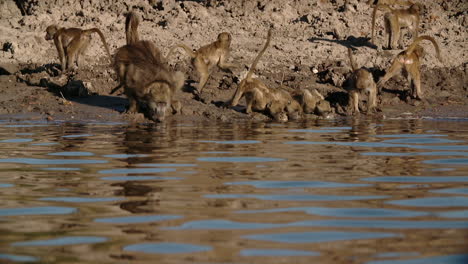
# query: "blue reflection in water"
411 154
447 161
452 259
78 136
397 254
167 248
320 236
409 136
137 219
219 224
45 144
175 165
5 185
381 145
233 142
238 159
46 210
80 199
32 161
63 241
452 191
61 169
454 214
16 140
18 258
136 170
418 179
276 253
453 201
296 197
139 178
421 141
343 212
71 154
126 156
322 131
297 184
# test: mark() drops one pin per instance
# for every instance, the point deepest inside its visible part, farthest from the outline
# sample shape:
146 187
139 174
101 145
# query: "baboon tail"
103 39
351 59
255 62
131 27
416 42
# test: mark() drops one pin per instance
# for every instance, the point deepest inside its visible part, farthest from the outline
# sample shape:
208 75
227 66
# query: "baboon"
395 19
206 57
147 81
71 43
409 61
308 100
260 97
131 28
361 80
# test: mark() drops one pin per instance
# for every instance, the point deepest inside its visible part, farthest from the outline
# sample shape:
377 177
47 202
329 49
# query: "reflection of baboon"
71 43
395 19
146 79
206 57
408 60
361 80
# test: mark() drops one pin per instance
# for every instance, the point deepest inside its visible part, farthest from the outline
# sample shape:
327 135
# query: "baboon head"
224 39
158 100
50 32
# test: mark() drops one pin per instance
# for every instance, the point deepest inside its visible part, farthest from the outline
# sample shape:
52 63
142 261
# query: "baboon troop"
151 85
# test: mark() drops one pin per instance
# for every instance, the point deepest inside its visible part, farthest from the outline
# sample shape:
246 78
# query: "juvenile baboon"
206 57
260 97
71 43
308 100
361 80
409 61
396 19
147 81
131 28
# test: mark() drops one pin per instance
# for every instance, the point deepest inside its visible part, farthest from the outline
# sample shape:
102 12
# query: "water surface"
321 191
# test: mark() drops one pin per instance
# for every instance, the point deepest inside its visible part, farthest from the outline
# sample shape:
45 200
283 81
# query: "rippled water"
374 192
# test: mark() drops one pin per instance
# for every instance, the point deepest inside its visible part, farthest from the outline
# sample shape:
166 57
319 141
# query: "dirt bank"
308 51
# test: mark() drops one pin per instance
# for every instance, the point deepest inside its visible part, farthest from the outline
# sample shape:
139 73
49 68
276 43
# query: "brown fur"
396 19
131 28
409 61
260 97
361 80
71 43
146 79
206 57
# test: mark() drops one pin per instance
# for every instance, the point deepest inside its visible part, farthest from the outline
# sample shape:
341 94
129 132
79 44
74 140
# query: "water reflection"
326 191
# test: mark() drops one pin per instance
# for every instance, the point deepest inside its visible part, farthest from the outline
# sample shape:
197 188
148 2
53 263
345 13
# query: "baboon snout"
158 111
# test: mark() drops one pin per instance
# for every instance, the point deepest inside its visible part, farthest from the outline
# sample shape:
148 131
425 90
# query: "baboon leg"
416 76
355 100
73 52
394 69
202 70
372 100
81 51
176 106
395 32
132 108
